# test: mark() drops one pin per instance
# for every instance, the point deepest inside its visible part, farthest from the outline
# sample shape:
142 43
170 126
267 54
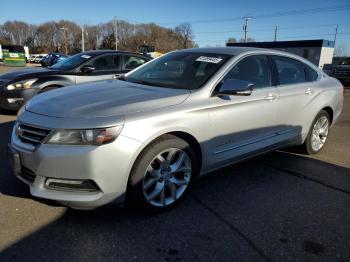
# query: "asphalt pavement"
281 206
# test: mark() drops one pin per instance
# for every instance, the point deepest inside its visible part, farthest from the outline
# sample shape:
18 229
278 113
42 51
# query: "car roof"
222 50
236 50
100 52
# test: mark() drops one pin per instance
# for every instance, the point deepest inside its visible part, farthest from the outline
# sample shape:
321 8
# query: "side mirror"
236 87
87 69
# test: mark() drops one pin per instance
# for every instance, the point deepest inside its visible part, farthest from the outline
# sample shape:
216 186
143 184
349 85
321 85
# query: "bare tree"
232 40
340 50
249 39
49 36
184 34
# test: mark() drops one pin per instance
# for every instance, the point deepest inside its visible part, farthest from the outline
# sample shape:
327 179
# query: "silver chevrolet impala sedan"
145 137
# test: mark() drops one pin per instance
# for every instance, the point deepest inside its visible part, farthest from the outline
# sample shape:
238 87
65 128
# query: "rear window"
290 71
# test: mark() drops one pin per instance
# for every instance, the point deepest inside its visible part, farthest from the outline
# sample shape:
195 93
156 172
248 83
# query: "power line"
270 29
282 37
269 15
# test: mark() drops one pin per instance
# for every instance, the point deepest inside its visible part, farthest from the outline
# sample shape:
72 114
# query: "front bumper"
108 166
21 96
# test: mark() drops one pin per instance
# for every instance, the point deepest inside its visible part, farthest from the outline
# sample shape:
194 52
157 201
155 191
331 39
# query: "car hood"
104 98
27 73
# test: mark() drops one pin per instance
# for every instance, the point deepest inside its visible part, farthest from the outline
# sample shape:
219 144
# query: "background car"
32 58
52 59
342 71
38 58
19 86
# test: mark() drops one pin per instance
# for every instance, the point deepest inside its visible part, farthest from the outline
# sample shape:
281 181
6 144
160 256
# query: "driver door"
242 125
106 67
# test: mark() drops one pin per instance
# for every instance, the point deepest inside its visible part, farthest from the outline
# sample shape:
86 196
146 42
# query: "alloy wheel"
167 177
319 133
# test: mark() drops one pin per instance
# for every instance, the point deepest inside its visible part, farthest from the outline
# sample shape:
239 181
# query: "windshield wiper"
147 83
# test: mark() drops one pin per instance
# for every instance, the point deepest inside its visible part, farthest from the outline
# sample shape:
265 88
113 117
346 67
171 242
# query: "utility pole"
335 35
245 28
275 38
116 32
82 39
65 39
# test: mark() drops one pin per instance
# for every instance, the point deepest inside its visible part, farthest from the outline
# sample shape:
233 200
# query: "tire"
310 146
156 184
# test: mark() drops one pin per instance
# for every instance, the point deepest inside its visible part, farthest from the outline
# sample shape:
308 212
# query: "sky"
213 22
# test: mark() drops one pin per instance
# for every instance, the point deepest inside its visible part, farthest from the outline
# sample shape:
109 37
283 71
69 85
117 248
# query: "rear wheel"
163 173
318 133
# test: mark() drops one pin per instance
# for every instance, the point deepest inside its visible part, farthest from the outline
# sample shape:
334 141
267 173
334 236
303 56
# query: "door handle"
309 91
270 97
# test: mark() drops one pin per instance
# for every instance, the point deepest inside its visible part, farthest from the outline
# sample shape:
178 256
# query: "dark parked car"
52 59
18 87
342 71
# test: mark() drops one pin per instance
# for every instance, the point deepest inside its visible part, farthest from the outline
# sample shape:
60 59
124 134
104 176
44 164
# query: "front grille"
27 175
31 135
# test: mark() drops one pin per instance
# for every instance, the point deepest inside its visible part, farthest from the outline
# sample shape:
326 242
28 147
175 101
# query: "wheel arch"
42 89
193 142
330 112
189 138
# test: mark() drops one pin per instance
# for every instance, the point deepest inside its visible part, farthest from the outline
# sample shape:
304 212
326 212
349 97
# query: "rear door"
106 66
297 87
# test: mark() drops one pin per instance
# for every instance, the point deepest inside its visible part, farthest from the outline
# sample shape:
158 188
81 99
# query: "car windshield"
182 70
71 62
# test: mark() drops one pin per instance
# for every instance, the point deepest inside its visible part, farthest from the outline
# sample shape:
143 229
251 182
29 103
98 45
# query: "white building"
319 52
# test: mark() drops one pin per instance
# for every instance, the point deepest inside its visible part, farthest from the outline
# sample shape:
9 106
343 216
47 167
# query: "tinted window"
184 70
254 69
290 71
310 74
71 62
131 62
106 62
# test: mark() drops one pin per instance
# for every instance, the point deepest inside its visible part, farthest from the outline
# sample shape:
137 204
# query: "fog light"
71 185
14 100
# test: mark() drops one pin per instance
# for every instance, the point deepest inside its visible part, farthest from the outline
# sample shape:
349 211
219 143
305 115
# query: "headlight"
85 137
25 84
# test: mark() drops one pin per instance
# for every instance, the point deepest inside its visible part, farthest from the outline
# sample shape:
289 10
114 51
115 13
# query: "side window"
290 71
131 62
254 69
106 62
310 74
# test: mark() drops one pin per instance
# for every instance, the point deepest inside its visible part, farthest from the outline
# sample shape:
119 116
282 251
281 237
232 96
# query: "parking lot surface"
281 206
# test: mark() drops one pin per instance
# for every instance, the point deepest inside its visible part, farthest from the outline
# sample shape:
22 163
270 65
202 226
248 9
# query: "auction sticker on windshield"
209 59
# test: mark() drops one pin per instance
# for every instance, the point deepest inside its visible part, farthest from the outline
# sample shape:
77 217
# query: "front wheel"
162 173
318 133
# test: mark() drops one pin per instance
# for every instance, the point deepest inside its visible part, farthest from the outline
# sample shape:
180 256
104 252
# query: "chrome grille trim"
31 135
